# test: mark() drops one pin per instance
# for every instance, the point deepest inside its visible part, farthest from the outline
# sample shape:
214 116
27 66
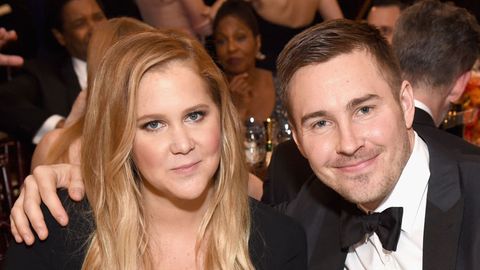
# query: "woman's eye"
195 116
241 37
153 125
219 41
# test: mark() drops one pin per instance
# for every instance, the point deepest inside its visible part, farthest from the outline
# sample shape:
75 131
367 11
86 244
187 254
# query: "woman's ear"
259 55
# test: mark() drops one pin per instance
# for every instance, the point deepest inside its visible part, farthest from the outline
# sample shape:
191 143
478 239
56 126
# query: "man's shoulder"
276 240
448 141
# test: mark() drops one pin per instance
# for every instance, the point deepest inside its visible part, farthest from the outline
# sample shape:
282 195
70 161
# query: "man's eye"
320 123
365 110
195 116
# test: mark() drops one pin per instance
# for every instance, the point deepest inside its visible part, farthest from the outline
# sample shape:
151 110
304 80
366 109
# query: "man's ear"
59 37
459 87
407 103
297 141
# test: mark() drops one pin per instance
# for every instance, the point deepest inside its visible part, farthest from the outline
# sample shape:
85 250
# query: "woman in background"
237 47
164 172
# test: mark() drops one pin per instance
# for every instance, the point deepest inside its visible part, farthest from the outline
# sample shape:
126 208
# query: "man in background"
39 99
437 45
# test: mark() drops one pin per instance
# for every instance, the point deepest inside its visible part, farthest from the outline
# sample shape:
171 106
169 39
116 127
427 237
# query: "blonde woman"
164 172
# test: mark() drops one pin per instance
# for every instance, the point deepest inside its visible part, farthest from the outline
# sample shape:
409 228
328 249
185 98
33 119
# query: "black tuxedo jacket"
45 87
287 172
452 219
424 125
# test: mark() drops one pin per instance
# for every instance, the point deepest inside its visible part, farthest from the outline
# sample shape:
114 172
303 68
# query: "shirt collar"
422 106
412 186
80 68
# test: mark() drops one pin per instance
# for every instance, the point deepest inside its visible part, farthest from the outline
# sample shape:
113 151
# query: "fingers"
31 206
18 215
239 84
76 190
18 220
47 179
11 60
6 36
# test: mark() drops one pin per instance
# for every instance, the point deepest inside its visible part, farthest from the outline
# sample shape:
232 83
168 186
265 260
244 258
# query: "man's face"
79 18
347 123
384 18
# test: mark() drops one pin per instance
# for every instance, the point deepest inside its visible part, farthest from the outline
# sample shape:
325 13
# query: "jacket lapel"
444 210
317 208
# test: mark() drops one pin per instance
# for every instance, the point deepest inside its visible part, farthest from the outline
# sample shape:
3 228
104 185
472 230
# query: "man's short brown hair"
327 40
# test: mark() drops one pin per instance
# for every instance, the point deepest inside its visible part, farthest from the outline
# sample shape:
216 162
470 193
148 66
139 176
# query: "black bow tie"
386 225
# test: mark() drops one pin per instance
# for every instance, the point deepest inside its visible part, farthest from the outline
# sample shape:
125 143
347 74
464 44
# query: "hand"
241 90
42 186
9 60
78 109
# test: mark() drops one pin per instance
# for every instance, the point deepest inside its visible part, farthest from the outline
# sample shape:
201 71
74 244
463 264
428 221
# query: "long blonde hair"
120 239
104 36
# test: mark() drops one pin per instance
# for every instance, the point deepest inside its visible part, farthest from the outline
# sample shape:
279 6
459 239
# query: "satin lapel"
444 211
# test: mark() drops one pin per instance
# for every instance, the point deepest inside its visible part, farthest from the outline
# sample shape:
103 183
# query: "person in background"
62 145
427 41
384 14
181 204
39 99
193 17
296 14
237 47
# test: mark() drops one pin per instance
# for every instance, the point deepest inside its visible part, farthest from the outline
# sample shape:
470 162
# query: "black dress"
276 241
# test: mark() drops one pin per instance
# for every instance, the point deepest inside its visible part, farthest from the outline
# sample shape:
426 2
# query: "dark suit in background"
452 219
287 172
46 86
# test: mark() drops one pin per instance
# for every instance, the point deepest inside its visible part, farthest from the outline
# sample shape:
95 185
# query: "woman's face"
235 45
178 136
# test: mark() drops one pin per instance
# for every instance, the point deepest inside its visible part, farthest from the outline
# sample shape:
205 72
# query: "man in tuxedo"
39 99
426 42
437 45
352 118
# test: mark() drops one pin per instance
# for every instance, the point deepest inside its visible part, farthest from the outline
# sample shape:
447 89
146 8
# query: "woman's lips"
234 61
188 167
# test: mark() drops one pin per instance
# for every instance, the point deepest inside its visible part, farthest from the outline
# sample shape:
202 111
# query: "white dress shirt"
421 105
410 192
80 68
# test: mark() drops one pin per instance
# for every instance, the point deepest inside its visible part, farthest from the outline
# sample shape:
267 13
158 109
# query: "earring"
260 56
